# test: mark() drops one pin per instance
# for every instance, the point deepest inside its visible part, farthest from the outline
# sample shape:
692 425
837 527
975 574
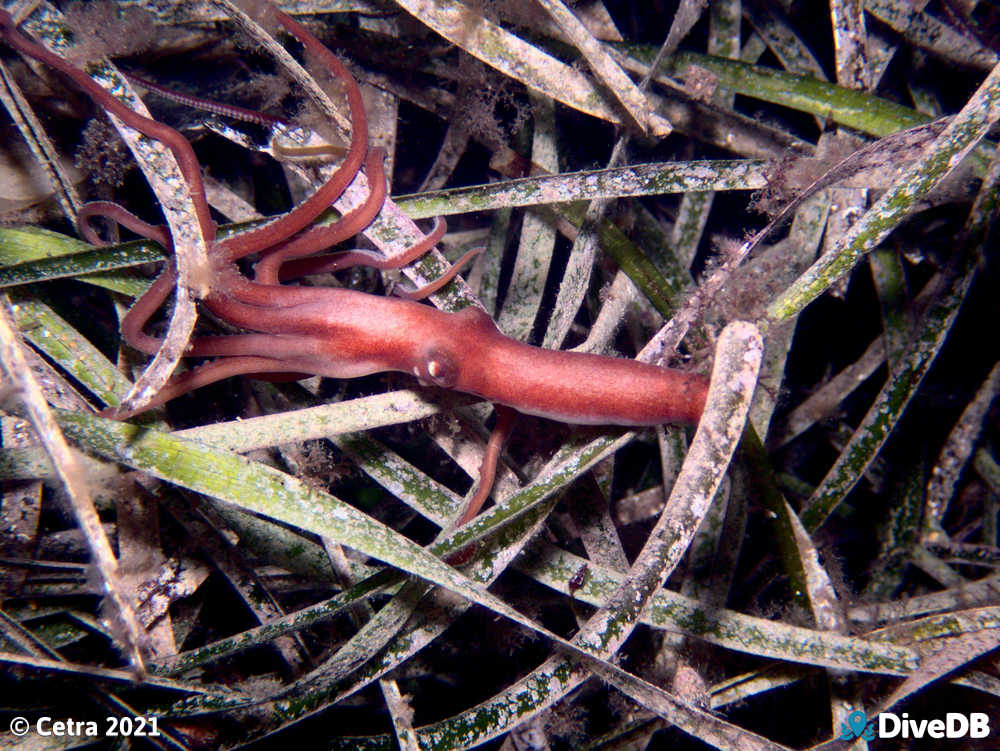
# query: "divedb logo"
891 725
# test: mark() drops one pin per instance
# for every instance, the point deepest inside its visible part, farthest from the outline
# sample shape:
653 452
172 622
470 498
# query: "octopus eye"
439 368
